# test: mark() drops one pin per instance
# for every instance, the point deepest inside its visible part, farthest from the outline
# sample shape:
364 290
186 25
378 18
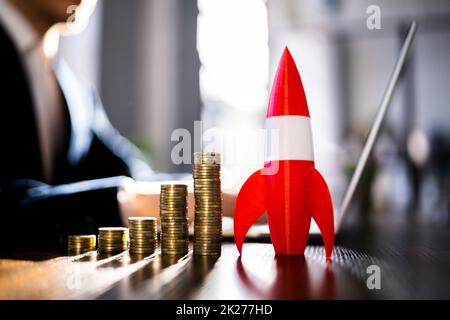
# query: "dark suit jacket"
33 213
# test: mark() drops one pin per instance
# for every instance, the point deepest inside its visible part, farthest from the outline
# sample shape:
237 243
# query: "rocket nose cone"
287 96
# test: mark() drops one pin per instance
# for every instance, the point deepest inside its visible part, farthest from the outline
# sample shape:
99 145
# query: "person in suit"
62 164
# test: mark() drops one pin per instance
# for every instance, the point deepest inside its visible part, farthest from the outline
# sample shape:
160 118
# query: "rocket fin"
250 205
320 207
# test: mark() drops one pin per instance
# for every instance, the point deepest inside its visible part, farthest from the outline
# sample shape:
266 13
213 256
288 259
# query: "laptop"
262 231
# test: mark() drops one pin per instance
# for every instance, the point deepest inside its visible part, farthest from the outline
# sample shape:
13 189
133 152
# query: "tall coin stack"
112 240
143 235
208 204
174 220
81 244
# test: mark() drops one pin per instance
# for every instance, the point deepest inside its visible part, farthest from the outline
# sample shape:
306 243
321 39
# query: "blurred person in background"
63 166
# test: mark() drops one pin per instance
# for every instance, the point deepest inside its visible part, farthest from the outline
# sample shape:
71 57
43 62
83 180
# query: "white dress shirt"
46 96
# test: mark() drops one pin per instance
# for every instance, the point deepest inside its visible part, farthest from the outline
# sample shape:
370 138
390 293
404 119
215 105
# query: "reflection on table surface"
259 274
414 263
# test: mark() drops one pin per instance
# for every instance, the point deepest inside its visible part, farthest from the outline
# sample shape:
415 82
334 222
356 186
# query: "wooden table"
414 262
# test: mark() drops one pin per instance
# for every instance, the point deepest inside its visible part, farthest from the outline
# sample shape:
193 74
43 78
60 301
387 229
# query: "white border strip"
288 138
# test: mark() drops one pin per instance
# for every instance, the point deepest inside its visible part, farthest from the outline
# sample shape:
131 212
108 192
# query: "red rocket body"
288 188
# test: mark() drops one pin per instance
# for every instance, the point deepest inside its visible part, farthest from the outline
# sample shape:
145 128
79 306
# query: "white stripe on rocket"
288 138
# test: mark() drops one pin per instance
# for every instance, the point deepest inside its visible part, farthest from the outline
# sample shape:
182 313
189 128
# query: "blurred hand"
142 199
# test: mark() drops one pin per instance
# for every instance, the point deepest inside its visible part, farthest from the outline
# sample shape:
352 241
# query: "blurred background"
161 65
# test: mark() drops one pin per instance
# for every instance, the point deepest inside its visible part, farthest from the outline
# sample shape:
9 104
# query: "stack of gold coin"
143 235
174 221
111 240
81 243
208 204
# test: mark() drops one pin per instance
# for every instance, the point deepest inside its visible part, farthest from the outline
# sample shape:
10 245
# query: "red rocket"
288 188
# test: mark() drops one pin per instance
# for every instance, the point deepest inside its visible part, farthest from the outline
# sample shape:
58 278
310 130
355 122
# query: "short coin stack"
174 221
208 204
81 244
143 235
112 240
